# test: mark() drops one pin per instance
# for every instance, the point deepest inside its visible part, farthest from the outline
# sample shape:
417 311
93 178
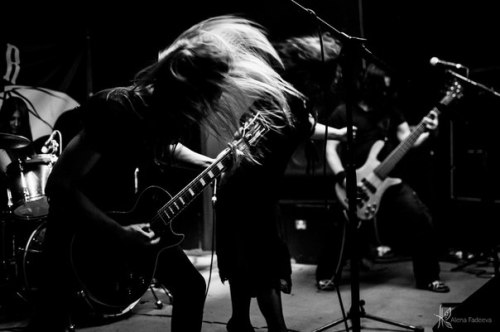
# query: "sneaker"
436 286
325 284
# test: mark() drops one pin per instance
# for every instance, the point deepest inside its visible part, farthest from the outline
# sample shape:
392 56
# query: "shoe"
233 327
325 285
437 286
286 285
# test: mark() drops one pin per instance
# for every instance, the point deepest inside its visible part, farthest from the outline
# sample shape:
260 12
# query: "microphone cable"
214 218
340 259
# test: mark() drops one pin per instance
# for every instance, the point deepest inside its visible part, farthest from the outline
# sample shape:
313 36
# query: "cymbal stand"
159 303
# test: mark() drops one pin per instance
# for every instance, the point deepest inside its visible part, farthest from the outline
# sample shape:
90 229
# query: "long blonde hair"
220 67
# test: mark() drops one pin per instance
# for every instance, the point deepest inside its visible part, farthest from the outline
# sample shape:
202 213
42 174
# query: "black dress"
249 246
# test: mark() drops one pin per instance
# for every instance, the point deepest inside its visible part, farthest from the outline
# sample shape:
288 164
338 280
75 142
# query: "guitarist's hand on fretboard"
431 121
236 157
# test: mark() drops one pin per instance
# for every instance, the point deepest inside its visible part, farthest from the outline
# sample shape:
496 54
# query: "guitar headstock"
253 129
454 90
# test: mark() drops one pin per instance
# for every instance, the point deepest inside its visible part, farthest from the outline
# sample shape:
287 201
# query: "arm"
185 157
318 133
64 189
334 162
4 160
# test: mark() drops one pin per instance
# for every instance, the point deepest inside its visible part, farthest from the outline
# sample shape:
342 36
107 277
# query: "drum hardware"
31 262
11 141
22 257
26 187
3 253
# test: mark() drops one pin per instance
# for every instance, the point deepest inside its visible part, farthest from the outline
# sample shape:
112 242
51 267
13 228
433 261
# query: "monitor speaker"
479 312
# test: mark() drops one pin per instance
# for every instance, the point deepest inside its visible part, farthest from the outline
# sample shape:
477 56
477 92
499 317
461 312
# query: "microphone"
436 61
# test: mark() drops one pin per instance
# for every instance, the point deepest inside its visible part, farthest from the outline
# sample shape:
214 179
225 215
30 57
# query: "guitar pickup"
369 186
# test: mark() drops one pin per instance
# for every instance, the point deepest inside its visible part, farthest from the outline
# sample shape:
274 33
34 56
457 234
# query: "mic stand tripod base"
363 314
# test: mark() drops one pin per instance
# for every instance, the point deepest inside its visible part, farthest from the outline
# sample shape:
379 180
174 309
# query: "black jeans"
56 302
177 273
403 222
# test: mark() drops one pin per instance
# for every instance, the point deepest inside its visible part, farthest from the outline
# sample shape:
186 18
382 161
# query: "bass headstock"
454 90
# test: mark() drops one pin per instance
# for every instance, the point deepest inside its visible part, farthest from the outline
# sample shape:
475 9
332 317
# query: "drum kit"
23 216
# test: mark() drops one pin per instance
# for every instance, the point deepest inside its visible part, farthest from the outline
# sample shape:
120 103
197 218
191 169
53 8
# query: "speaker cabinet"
310 228
474 154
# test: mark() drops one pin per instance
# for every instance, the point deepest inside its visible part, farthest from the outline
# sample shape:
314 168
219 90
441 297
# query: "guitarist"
401 210
202 77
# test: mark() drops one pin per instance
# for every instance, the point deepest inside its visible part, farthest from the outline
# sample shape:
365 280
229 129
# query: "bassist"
379 123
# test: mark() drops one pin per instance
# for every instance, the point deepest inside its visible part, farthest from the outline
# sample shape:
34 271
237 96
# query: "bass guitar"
372 178
112 277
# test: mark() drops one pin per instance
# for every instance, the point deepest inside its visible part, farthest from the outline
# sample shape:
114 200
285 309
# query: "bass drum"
31 262
31 266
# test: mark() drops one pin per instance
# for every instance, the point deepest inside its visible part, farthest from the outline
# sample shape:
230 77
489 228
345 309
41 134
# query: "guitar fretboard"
383 170
385 167
251 132
183 198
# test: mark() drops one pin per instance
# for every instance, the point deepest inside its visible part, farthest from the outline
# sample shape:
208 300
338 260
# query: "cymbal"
11 141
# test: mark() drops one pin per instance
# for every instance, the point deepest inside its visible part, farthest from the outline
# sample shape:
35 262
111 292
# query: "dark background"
454 173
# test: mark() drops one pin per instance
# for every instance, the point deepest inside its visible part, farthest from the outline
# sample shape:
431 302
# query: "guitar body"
370 188
372 177
113 276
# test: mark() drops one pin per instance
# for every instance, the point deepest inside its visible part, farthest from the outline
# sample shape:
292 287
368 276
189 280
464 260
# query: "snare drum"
26 192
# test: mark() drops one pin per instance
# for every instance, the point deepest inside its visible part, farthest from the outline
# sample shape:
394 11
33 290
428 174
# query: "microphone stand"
352 50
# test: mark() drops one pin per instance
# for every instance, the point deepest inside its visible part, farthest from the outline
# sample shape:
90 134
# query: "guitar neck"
386 166
251 132
183 198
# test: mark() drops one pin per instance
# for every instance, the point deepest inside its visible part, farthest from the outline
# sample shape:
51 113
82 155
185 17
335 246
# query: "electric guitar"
112 277
372 178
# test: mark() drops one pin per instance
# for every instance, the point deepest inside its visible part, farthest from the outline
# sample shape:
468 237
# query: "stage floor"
387 288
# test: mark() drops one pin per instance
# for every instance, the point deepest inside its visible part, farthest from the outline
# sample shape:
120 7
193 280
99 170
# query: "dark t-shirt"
371 126
114 125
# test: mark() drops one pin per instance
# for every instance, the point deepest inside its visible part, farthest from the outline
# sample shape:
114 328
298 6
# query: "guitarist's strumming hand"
139 234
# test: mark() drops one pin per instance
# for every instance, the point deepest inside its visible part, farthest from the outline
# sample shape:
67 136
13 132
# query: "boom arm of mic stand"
339 34
473 83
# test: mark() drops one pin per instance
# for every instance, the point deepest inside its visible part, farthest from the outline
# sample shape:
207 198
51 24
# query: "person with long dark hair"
402 220
14 120
15 124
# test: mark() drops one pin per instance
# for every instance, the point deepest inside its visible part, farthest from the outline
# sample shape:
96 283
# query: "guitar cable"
214 202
